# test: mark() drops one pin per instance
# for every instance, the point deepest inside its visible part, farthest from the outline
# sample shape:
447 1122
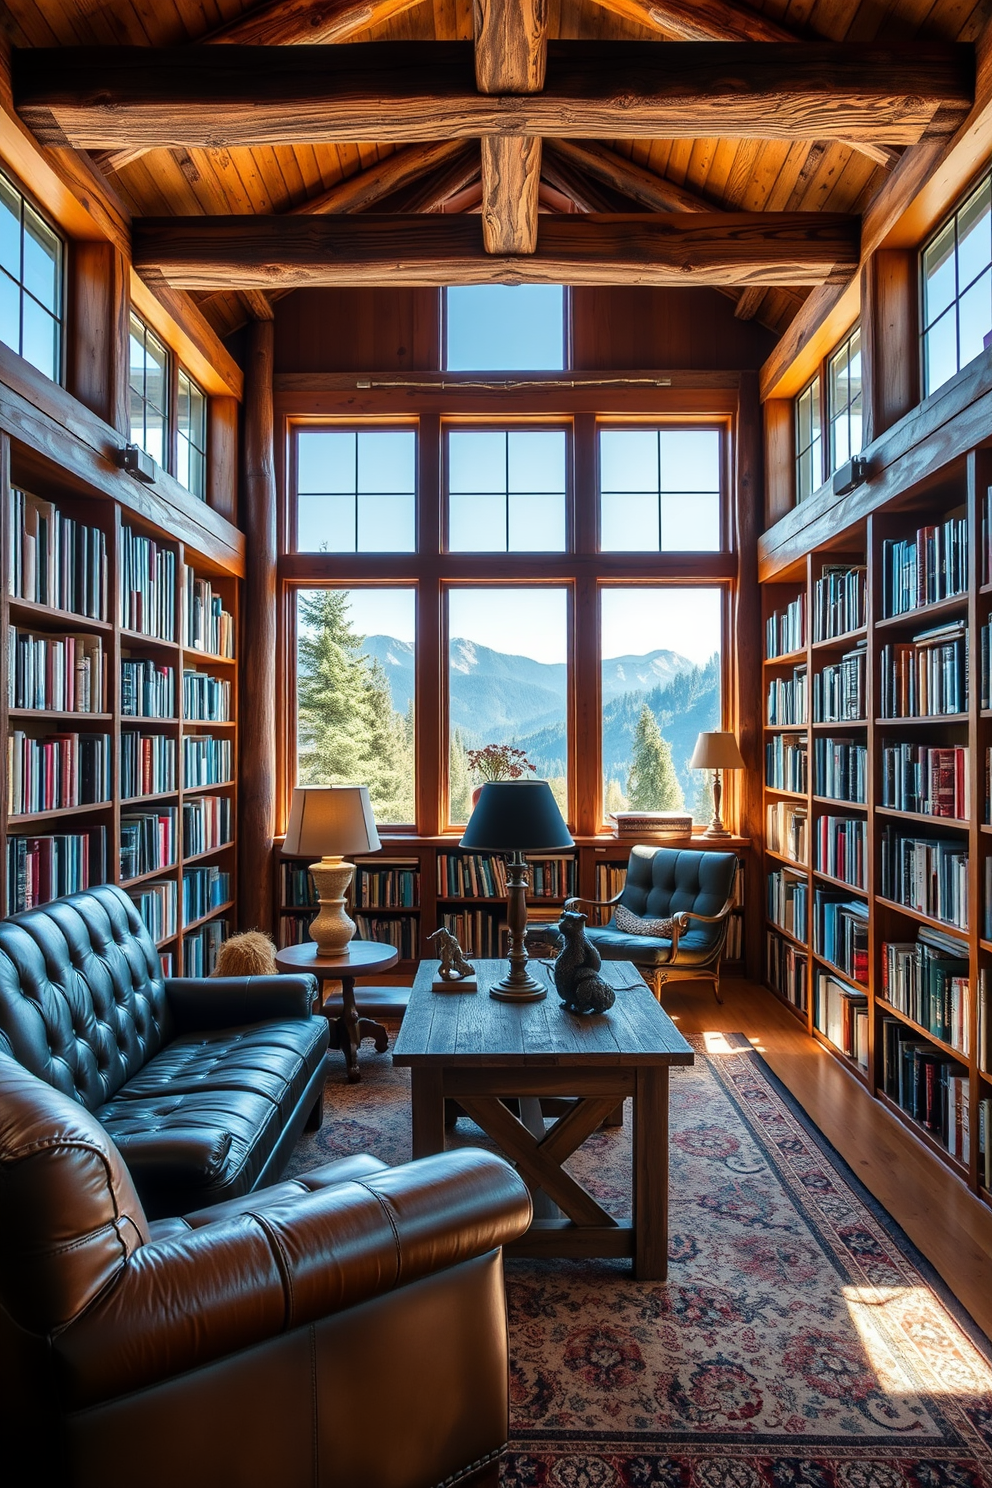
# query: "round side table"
363 958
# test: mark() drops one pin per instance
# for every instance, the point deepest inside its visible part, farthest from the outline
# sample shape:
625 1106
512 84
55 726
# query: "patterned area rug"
800 1341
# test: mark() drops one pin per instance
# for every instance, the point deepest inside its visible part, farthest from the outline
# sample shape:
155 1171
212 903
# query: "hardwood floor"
950 1226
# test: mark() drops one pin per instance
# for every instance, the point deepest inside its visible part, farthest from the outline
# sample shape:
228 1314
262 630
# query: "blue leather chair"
695 890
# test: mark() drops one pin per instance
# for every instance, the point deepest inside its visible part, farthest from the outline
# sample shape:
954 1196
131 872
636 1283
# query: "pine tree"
702 808
330 692
459 780
388 760
613 798
652 784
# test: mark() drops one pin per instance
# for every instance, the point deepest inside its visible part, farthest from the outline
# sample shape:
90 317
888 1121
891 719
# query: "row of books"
985 667
209 627
388 888
475 876
148 842
927 677
930 566
56 674
57 772
787 969
788 902
785 630
929 1086
201 947
842 849
932 782
55 560
206 699
840 933
207 761
204 889
927 980
786 763
840 600
147 764
986 553
294 929
40 869
733 946
157 905
841 1014
148 690
787 830
147 586
841 769
398 930
927 874
298 888
206 824
840 691
985 1141
479 932
788 698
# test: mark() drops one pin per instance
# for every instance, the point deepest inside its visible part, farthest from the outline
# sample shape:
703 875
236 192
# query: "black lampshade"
516 816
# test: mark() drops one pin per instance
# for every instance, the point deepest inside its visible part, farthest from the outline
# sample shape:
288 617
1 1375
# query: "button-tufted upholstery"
262 1341
205 1085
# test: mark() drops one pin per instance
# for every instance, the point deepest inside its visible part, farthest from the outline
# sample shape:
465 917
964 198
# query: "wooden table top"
473 1028
362 958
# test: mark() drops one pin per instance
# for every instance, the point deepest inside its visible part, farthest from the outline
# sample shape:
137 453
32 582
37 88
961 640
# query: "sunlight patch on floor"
716 1043
886 1316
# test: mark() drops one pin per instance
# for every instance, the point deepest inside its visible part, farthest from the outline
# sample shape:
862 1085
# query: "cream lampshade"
329 821
716 751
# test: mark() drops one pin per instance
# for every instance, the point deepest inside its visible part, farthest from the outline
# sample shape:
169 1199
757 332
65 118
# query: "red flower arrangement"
499 762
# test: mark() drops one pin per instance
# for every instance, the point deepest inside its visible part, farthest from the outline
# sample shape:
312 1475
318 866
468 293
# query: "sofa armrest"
200 1296
201 1003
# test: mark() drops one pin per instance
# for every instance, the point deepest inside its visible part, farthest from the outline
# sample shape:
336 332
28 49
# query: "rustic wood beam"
511 53
511 176
366 187
432 192
561 173
728 248
626 176
386 92
511 45
298 22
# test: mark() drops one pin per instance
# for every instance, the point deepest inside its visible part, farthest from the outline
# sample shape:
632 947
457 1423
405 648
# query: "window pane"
628 460
536 523
477 460
974 239
505 328
690 460
137 406
42 261
483 467
156 434
10 230
841 441
355 694
661 686
386 460
136 357
325 460
40 338
690 522
183 448
938 275
156 374
536 460
629 522
10 312
974 319
940 351
326 524
477 524
386 523
507 683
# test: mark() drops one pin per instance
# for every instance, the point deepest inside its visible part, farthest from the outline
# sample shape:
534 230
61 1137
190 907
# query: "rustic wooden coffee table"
470 1048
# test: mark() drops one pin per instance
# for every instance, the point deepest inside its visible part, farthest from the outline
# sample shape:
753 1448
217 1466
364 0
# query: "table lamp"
329 821
716 751
514 817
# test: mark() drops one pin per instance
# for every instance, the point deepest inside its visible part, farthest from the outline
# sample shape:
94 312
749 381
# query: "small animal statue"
453 964
249 954
576 969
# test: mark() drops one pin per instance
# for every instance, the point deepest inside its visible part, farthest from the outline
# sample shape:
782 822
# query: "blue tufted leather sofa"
204 1085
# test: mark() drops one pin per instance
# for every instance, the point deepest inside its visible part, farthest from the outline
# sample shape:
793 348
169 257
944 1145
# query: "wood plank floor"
950 1226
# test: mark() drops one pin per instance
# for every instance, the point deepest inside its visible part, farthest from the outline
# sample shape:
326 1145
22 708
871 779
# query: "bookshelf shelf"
777 790
32 818
842 642
932 1038
839 971
920 1131
850 1064
839 883
129 883
210 915
840 723
208 852
924 615
42 715
838 801
132 638
787 658
36 614
922 919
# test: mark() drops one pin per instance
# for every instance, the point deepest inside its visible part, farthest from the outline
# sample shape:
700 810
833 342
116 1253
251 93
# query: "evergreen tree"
459 780
652 784
702 808
330 692
613 798
388 760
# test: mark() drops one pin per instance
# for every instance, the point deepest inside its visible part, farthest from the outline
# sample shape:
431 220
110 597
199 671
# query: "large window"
659 490
356 490
505 328
191 436
506 490
957 289
31 271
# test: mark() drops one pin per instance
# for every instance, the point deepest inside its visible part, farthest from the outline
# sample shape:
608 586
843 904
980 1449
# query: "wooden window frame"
26 200
949 217
832 414
173 369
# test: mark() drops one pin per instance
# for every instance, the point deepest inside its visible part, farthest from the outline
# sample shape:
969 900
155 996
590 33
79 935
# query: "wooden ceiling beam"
290 252
299 22
365 188
385 92
614 170
432 192
511 54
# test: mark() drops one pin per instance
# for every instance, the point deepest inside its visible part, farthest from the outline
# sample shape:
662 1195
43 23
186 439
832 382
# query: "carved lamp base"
332 929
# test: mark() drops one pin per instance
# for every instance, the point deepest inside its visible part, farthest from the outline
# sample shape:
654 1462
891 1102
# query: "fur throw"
250 954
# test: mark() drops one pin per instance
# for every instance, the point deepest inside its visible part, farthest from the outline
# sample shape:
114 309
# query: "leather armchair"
692 888
341 1330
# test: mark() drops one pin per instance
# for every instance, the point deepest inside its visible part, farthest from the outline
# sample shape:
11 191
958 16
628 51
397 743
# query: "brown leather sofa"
204 1084
346 1329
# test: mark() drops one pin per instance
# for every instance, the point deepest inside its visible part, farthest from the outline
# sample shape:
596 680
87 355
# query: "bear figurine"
576 969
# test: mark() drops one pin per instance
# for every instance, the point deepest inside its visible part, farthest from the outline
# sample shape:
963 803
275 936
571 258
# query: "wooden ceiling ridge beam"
511 55
740 249
400 93
724 20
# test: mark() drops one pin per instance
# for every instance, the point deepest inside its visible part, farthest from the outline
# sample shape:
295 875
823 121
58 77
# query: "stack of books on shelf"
840 600
788 899
930 1087
985 668
840 933
788 969
926 874
147 586
395 887
204 889
55 674
840 691
842 848
157 906
651 826
147 764
206 824
40 869
841 769
786 830
927 979
55 560
148 690
148 842
207 761
397 930
56 772
788 698
841 1014
926 568
294 929
200 948
931 782
785 630
209 627
786 764
298 888
470 876
206 699
927 677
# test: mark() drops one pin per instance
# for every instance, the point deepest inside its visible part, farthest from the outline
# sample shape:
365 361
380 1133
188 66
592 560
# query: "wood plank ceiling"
567 176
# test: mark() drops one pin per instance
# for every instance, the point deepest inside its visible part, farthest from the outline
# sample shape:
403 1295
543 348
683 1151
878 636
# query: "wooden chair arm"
594 903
